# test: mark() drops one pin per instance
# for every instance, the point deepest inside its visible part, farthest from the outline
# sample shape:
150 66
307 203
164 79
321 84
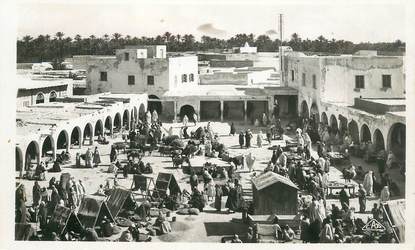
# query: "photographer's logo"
374 226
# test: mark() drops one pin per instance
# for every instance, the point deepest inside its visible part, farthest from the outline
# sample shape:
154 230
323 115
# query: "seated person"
56 167
40 171
360 173
163 226
287 234
148 169
67 156
100 191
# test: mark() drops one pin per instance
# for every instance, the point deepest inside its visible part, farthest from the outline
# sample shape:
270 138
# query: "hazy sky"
357 22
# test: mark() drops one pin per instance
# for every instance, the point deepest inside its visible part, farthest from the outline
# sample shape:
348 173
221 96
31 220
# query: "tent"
274 194
395 214
119 198
166 182
91 211
142 183
63 220
23 231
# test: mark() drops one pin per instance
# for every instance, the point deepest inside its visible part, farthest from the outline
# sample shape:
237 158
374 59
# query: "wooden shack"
274 194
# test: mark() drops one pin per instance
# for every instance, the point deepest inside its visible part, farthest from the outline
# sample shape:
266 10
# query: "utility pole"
281 50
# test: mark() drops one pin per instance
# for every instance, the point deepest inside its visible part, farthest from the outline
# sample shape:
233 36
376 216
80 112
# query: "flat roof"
389 102
26 82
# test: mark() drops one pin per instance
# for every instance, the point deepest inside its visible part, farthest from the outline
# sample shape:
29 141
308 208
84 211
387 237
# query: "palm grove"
56 48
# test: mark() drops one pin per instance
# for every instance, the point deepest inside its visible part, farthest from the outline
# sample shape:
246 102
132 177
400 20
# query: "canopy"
166 181
117 200
92 210
64 219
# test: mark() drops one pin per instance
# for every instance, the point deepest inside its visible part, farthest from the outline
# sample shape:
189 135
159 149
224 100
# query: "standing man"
241 139
362 199
248 137
344 198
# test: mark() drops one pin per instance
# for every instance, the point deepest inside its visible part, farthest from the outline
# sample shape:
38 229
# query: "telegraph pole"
281 50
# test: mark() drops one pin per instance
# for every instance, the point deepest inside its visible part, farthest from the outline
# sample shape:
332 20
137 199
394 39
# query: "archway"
52 96
117 123
88 135
48 148
365 133
324 118
354 131
378 140
304 110
334 126
125 119
154 103
314 116
76 137
63 140
32 154
187 110
108 125
40 98
397 140
19 159
98 130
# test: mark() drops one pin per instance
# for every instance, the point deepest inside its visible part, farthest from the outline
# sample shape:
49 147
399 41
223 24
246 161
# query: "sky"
353 22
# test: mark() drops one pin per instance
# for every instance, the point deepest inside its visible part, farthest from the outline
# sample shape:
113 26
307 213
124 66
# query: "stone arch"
378 140
52 96
48 146
397 140
63 140
154 103
365 133
304 110
187 110
76 136
19 159
108 125
334 125
126 119
88 134
40 98
324 118
99 128
354 131
32 153
117 122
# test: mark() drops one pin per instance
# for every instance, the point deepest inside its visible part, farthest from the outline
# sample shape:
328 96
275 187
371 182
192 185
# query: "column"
175 111
221 110
81 139
245 111
55 146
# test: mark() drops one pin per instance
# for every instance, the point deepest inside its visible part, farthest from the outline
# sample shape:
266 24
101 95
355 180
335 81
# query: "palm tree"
59 35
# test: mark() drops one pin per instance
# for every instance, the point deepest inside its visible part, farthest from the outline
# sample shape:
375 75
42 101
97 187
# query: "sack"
194 211
183 211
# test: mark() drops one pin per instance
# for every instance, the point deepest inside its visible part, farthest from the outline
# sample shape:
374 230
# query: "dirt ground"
208 226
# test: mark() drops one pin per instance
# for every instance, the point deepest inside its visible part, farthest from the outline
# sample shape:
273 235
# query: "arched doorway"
88 135
304 110
154 103
117 123
314 117
98 130
63 140
334 126
32 154
354 131
365 133
76 137
108 125
187 110
378 140
397 140
125 119
52 96
324 119
40 98
19 159
48 148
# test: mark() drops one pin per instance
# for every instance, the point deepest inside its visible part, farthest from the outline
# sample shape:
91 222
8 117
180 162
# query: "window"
126 56
303 79
131 80
359 82
386 81
52 96
314 82
191 78
184 78
150 80
103 76
40 98
292 75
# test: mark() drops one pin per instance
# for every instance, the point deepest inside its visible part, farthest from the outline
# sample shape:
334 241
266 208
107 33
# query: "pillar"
55 146
221 110
175 111
81 139
245 111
